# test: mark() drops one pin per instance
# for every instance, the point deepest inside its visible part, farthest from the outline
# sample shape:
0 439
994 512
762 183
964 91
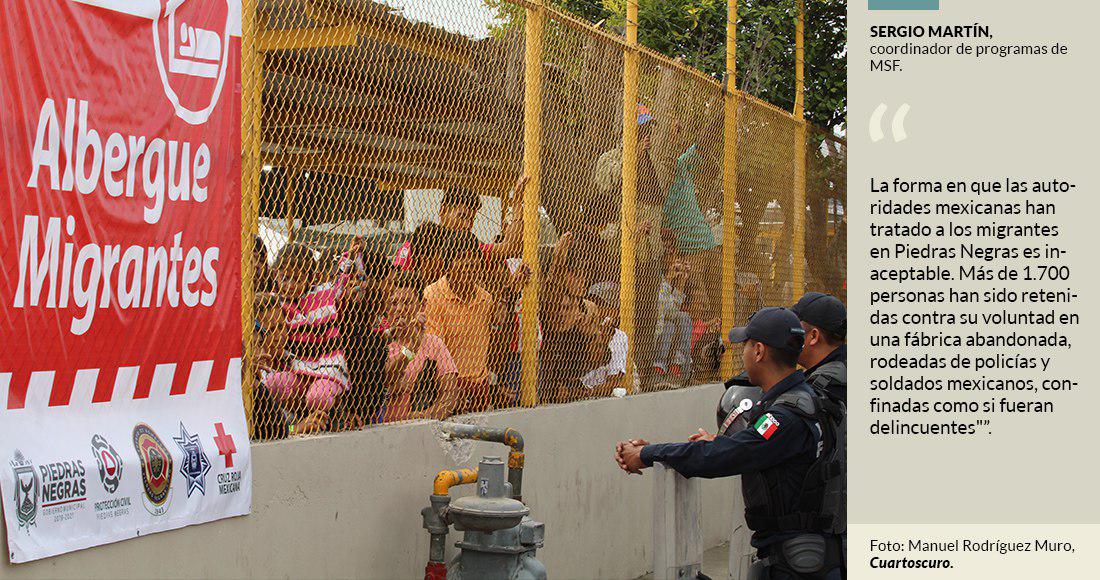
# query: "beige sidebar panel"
973 230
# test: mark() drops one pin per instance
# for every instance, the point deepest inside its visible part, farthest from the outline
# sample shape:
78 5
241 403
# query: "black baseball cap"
776 327
824 311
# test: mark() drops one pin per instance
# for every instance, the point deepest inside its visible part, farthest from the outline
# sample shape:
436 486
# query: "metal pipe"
799 59
506 436
449 478
532 167
435 518
628 223
435 522
798 274
729 187
252 80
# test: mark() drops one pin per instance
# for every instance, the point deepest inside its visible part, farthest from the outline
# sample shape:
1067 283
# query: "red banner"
121 239
121 243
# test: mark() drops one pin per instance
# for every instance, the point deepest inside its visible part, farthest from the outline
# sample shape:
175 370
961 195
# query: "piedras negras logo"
63 482
26 490
195 464
156 469
64 489
109 461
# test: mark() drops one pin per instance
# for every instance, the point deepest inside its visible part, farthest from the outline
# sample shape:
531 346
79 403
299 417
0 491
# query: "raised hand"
520 278
641 231
516 195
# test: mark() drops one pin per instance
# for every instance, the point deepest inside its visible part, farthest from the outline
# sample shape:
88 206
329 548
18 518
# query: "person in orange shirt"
458 310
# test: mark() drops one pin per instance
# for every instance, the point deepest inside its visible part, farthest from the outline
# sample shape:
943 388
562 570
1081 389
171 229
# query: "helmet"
740 396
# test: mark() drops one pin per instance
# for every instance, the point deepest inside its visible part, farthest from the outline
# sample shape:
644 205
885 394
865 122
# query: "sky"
467 17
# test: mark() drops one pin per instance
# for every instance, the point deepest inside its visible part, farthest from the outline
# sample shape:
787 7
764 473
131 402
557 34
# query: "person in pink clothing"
421 374
312 371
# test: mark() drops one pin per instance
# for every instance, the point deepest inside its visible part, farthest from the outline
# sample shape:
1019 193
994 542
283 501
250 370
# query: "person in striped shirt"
314 372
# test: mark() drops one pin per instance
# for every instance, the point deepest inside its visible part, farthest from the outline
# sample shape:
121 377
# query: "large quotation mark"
897 127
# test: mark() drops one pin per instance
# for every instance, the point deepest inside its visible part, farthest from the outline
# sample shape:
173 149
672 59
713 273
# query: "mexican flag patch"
767 425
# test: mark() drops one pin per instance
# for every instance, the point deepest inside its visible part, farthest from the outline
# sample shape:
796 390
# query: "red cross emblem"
225 444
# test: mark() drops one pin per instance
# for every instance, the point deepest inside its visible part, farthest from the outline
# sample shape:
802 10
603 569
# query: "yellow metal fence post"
630 185
798 250
729 187
532 166
251 105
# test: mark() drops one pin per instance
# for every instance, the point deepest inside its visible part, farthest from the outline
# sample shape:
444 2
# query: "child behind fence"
573 343
673 324
269 337
316 372
420 371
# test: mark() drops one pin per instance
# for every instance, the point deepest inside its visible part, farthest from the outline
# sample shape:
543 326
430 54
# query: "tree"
695 32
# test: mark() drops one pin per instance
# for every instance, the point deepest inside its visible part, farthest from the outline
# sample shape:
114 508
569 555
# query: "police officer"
774 455
825 356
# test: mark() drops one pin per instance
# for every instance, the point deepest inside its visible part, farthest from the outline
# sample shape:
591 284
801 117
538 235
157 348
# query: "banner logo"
225 444
156 469
110 474
64 488
191 42
110 463
230 480
26 490
195 464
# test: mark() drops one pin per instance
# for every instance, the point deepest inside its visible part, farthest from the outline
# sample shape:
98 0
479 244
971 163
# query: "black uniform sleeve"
746 451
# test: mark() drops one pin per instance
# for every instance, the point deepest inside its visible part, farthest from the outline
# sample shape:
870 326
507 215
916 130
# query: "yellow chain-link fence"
435 217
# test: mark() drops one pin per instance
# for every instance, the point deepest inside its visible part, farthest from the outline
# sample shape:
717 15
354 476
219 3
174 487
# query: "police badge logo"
156 469
195 463
110 463
26 490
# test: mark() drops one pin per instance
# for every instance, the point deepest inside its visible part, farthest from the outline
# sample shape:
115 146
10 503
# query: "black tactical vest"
770 505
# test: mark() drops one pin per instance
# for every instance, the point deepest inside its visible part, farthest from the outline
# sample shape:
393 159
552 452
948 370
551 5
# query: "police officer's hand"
629 456
619 454
621 444
702 435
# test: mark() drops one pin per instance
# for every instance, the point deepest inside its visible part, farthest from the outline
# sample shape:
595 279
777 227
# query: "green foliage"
591 10
694 31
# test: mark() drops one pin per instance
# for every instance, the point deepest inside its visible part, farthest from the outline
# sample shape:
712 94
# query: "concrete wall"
348 505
